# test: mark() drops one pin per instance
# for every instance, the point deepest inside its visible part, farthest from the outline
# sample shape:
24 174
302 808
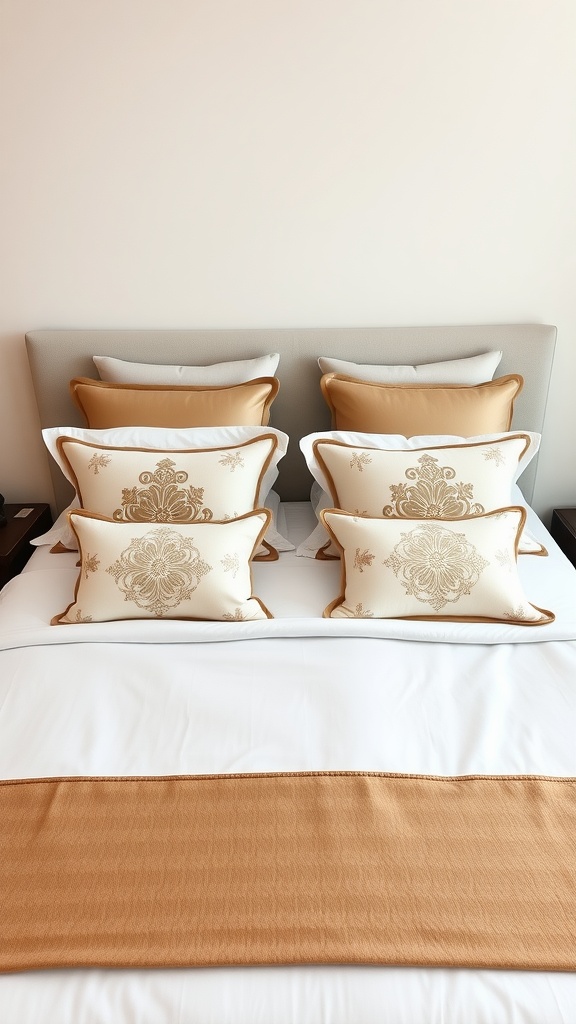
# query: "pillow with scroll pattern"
178 486
456 570
165 570
398 478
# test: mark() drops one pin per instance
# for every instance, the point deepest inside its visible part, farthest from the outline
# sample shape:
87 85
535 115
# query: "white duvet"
80 700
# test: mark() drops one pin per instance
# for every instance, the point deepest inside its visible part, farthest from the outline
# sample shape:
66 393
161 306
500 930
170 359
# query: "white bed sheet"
86 708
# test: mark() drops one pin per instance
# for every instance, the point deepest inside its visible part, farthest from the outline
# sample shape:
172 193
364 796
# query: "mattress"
294 694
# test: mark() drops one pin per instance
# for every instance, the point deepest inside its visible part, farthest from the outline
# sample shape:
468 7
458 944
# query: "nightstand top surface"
16 530
568 514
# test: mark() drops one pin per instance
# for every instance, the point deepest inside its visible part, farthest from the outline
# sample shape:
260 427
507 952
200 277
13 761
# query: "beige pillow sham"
165 570
106 404
179 486
410 409
456 570
436 482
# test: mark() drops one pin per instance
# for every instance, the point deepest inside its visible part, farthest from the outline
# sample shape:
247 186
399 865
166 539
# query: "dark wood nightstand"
563 529
15 536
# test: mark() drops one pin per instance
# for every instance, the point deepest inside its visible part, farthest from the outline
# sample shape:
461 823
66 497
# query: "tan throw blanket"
476 871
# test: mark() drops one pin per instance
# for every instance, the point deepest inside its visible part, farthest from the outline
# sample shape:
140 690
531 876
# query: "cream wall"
182 163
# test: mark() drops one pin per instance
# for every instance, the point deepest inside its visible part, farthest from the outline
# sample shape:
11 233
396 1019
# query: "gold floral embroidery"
362 559
231 563
159 570
431 496
232 460
359 460
362 613
98 462
236 617
90 564
162 499
494 455
436 565
82 618
516 613
504 558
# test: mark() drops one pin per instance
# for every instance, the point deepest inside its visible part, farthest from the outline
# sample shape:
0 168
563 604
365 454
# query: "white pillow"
165 570
391 475
459 569
237 371
469 370
61 537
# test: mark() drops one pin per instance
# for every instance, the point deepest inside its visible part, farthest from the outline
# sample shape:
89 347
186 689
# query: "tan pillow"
463 569
165 570
122 405
423 408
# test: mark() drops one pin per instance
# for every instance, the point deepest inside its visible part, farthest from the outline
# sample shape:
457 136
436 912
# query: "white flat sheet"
318 703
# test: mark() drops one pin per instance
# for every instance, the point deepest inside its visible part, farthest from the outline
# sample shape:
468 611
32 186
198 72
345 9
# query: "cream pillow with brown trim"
421 408
106 404
60 536
179 486
456 570
444 481
165 570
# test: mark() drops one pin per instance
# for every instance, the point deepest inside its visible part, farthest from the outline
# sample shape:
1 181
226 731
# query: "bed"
281 815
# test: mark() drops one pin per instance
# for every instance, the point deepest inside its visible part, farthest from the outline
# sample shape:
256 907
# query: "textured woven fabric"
478 871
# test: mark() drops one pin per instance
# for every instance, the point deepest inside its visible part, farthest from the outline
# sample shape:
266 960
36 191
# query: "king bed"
287 694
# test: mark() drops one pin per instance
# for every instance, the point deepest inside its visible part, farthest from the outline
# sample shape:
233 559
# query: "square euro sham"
410 409
165 570
419 477
455 570
106 405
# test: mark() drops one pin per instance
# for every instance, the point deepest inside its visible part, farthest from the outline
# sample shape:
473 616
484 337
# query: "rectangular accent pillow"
396 477
168 475
236 371
469 370
421 408
456 570
165 570
169 405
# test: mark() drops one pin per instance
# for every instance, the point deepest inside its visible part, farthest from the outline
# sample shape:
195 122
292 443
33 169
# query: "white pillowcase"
237 371
384 475
469 370
459 569
160 438
165 570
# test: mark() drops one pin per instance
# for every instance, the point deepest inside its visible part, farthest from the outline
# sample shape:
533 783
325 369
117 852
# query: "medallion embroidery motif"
435 565
159 571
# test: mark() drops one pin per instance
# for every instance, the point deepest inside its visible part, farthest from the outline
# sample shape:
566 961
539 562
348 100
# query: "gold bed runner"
475 871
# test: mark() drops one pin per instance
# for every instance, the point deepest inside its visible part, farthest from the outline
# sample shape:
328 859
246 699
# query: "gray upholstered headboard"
57 356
